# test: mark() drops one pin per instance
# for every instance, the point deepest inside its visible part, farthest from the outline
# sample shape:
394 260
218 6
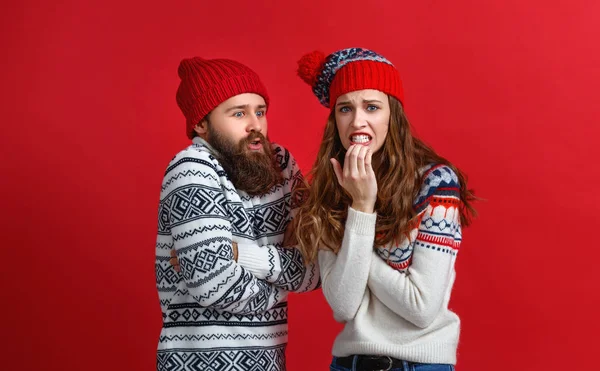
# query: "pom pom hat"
348 70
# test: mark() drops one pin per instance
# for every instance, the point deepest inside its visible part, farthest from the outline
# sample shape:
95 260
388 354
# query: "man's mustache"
253 136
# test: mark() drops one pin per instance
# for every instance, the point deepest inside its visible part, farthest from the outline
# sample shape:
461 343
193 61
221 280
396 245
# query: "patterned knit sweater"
398 307
218 314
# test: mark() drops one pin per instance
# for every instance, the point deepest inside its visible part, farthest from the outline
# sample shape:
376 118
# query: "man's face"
237 130
237 117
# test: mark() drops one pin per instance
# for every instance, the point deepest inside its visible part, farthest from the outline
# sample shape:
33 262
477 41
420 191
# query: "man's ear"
201 128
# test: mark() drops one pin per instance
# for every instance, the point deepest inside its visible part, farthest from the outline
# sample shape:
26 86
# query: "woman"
383 218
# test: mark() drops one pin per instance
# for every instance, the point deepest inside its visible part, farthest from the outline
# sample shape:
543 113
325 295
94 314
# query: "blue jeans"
406 366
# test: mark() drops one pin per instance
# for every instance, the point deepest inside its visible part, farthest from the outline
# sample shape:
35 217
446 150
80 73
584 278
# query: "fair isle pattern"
335 62
438 224
437 180
398 256
292 270
222 337
193 315
219 360
216 314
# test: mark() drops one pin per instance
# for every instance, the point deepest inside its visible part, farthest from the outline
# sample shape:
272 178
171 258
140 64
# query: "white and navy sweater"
219 314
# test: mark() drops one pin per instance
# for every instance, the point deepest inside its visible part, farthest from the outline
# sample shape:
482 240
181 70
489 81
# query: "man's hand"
235 250
174 262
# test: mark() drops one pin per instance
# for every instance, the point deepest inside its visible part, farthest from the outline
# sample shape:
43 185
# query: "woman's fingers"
361 159
354 165
350 168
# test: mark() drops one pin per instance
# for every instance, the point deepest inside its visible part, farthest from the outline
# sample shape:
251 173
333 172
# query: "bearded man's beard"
252 172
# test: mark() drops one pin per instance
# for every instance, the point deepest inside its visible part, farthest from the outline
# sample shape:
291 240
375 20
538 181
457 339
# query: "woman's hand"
358 177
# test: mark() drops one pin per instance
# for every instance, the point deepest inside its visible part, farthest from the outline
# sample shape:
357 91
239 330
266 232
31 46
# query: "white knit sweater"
394 301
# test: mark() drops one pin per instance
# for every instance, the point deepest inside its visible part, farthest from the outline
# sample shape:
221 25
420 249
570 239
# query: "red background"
505 89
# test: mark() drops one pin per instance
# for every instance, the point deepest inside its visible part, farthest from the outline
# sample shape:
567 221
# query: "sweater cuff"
361 223
255 259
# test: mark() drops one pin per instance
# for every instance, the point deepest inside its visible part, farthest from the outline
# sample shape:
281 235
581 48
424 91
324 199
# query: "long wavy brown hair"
319 223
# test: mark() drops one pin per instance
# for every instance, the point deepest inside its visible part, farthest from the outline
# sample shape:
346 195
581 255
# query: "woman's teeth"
360 138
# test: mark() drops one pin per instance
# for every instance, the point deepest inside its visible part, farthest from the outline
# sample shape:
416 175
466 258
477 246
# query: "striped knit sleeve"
193 211
282 266
418 292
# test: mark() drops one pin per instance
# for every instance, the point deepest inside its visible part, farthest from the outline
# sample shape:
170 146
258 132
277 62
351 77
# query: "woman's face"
363 117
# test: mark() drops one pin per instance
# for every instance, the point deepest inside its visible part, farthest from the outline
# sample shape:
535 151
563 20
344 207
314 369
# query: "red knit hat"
206 83
349 70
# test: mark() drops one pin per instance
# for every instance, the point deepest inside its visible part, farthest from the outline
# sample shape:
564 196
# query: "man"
225 203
